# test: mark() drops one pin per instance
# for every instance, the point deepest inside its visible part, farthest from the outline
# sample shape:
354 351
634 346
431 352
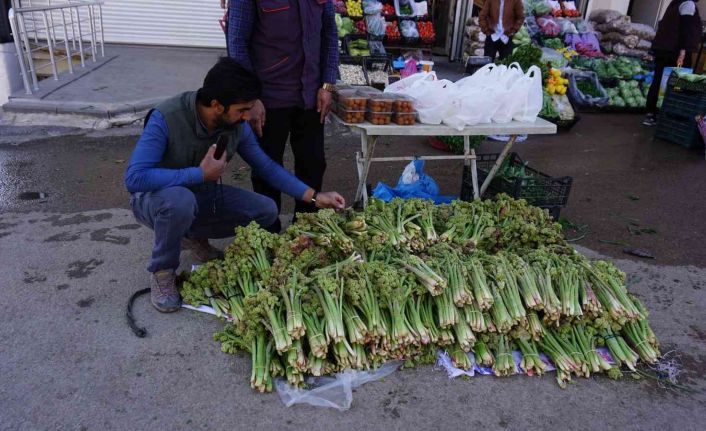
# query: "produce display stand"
369 134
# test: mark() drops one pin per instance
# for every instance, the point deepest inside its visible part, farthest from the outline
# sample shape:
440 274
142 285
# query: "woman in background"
678 35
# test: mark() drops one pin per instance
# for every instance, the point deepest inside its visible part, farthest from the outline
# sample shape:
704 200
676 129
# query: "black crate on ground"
680 84
683 104
540 189
679 130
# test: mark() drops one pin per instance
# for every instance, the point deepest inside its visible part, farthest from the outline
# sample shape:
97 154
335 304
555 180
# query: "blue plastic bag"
413 183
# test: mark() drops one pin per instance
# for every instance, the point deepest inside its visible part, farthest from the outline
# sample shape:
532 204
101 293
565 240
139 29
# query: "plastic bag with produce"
582 25
567 27
569 9
604 15
548 26
408 28
556 7
541 7
554 57
643 31
582 99
375 24
372 7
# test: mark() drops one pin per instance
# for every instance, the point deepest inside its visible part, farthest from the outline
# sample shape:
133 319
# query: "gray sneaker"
164 295
201 249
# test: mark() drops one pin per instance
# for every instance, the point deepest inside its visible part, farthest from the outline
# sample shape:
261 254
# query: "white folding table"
369 134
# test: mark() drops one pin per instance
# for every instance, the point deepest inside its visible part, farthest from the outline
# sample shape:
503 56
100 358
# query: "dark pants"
662 59
491 49
176 212
306 136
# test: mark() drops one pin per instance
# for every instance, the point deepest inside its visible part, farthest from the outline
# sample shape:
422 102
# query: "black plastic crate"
682 85
683 104
679 130
539 189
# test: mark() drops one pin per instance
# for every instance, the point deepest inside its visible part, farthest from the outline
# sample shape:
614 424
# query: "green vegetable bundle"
344 26
404 279
548 111
358 48
522 37
613 68
554 43
629 94
455 143
526 56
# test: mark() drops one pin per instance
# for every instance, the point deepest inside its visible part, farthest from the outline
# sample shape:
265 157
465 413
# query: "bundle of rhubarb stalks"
402 280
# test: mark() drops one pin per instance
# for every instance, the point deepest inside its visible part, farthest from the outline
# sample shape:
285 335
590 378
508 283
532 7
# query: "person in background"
500 20
292 47
174 172
678 35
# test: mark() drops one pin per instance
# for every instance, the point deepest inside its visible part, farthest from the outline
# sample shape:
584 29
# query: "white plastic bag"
410 175
433 100
335 392
476 105
504 96
403 85
527 93
483 77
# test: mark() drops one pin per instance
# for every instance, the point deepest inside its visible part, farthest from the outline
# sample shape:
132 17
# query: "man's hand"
323 103
257 117
330 200
224 3
682 56
212 168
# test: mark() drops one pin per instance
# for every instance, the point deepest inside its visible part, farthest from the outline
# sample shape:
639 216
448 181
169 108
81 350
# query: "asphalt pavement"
72 257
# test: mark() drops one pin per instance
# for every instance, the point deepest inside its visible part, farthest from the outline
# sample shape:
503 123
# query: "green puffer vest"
188 139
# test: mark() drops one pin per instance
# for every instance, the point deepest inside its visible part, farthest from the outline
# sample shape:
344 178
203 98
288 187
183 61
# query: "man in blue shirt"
292 47
173 173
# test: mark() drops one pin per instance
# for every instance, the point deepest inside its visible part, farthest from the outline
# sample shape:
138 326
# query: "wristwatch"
328 87
313 198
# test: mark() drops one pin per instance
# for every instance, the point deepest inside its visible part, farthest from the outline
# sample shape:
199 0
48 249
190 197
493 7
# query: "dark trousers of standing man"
662 59
491 49
306 136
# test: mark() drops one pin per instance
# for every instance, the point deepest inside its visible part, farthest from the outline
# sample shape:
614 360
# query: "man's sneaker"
164 295
201 249
650 120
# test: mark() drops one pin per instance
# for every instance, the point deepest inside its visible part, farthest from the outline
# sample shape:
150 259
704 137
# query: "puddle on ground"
31 196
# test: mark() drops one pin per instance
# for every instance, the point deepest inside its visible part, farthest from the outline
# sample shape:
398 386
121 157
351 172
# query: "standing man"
500 20
292 47
174 171
678 35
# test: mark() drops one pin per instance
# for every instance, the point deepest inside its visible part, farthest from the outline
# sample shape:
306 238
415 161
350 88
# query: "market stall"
599 63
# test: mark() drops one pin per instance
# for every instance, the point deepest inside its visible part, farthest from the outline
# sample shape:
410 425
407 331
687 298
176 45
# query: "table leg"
497 164
466 149
474 176
367 146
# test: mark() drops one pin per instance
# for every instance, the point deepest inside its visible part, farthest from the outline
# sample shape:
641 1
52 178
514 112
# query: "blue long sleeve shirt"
144 175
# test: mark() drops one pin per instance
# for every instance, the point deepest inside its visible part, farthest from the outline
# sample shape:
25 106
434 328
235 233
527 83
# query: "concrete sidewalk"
128 81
